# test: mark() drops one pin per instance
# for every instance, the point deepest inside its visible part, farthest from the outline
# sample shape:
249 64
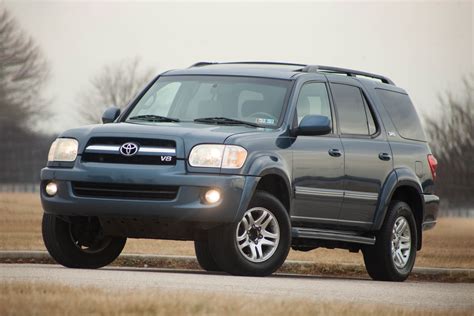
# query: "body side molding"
300 190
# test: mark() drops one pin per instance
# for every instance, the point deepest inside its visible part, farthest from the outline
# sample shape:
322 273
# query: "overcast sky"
425 47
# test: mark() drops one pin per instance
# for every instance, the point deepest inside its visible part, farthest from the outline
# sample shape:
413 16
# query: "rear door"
368 157
318 163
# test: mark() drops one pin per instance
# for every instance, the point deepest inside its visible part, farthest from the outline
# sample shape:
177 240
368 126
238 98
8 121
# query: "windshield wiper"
224 121
154 118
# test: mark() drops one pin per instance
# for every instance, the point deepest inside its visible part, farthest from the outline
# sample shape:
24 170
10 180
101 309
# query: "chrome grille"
150 151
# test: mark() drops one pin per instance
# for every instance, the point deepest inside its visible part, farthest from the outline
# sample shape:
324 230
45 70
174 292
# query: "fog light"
51 189
212 196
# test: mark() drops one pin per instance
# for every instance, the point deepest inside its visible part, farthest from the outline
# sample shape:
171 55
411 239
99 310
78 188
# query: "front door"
318 164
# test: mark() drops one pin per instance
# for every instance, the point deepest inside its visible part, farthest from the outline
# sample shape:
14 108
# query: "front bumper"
236 191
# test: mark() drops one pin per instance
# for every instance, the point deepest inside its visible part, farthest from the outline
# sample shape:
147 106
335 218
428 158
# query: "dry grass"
449 245
20 222
41 299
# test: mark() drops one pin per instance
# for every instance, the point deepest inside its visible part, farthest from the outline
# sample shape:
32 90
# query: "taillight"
433 165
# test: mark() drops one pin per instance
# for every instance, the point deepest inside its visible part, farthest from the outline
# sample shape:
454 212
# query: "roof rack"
206 63
306 68
347 72
263 63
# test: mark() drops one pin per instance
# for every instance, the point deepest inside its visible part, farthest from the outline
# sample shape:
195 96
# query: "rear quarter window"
403 114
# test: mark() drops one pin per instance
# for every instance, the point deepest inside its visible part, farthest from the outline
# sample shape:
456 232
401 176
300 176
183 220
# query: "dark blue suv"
247 159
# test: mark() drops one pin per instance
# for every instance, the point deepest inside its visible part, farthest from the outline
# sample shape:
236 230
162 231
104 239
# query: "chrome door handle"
385 156
335 152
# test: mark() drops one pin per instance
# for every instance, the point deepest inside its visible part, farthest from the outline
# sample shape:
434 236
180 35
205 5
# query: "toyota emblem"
129 149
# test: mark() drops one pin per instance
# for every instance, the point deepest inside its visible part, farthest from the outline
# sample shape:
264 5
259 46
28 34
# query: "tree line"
24 72
452 142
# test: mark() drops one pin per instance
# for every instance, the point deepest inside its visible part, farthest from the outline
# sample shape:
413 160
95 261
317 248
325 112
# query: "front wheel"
204 256
393 256
80 243
258 243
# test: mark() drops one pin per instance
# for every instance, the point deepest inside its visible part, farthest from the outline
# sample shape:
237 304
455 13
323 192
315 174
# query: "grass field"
449 245
63 300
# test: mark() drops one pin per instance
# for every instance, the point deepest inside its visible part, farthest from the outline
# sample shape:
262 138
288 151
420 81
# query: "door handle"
335 152
385 156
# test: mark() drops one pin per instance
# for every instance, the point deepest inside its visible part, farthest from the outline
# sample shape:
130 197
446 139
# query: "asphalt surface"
408 294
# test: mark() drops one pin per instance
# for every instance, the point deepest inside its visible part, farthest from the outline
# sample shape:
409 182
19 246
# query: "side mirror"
314 125
110 115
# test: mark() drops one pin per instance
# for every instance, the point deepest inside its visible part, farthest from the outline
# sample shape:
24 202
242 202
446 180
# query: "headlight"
218 156
63 149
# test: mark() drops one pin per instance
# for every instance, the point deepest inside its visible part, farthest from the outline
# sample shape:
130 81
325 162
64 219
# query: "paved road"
415 294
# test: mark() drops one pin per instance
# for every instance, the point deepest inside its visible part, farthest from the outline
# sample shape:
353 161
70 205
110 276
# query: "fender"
261 166
270 163
397 178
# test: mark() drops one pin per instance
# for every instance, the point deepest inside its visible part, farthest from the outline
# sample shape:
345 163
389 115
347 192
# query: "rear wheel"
258 243
393 256
80 243
204 256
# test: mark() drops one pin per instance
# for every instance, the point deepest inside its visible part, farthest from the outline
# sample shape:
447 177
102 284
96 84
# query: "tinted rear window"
352 110
403 114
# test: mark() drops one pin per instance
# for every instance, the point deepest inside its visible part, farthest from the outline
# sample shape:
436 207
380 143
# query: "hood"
186 134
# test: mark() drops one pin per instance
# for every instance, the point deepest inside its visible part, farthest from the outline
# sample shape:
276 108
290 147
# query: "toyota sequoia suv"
247 159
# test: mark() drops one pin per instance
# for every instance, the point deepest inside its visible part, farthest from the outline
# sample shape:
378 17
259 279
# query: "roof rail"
263 63
202 63
306 68
348 72
205 63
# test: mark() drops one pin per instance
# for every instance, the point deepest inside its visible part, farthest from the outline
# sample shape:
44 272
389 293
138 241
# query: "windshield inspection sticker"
265 121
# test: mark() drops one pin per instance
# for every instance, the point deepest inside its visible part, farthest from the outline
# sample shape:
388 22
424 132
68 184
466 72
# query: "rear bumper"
188 206
431 210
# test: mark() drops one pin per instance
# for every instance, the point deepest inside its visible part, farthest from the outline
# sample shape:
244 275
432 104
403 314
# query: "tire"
380 261
204 257
269 252
80 244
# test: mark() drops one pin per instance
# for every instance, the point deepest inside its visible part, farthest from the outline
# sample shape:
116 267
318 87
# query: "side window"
402 113
313 100
354 114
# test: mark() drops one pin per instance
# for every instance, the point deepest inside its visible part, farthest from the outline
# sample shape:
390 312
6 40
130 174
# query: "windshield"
213 100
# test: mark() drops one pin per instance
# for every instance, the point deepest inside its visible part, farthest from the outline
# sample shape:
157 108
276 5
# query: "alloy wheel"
258 234
401 242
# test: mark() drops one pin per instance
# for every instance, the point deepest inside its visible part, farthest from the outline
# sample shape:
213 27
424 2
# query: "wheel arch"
271 175
275 183
402 184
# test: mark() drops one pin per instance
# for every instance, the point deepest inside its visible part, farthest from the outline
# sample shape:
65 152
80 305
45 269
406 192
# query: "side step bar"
310 233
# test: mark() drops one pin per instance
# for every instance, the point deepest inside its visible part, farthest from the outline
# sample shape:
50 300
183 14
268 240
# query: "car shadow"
202 272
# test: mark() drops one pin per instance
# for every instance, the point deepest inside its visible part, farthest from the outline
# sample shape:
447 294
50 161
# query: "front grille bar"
81 188
105 190
141 150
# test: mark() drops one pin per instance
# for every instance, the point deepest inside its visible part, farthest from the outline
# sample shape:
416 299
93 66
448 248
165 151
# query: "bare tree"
115 85
452 139
23 73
